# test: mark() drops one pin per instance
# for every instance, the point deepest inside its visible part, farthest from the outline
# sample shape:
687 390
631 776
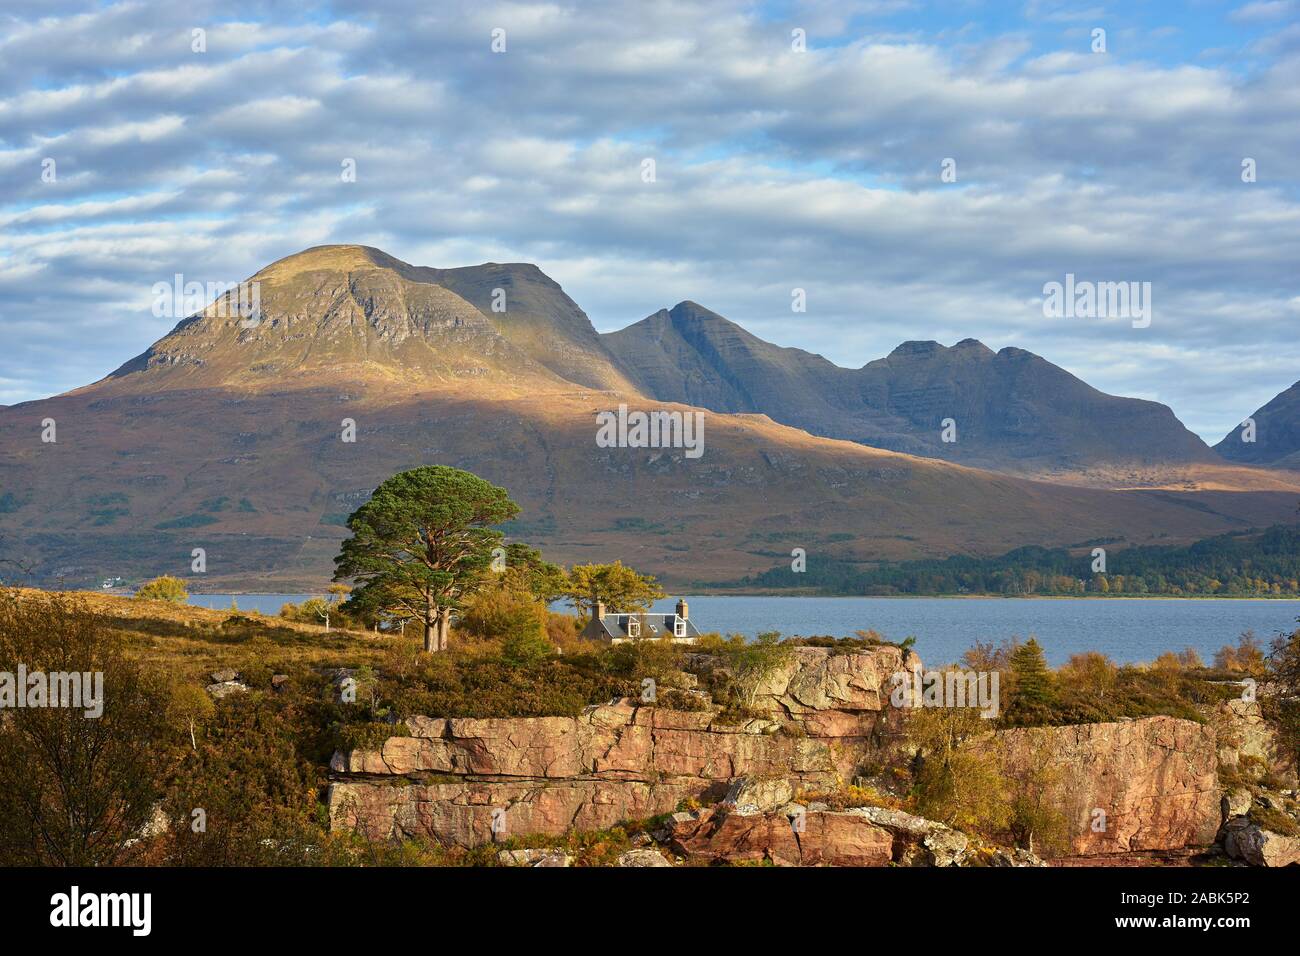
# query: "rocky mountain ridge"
1009 410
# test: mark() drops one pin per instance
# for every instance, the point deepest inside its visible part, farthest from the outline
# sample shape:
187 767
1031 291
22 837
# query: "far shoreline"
856 597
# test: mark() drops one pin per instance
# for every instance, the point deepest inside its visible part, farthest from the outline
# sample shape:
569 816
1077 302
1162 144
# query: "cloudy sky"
775 168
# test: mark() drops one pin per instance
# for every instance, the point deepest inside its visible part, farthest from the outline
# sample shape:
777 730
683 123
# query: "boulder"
224 676
807 839
225 689
1236 803
535 858
1244 733
642 857
618 741
759 796
1245 840
1004 856
921 842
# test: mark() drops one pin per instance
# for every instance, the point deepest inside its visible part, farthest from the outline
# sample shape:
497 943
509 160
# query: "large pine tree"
422 543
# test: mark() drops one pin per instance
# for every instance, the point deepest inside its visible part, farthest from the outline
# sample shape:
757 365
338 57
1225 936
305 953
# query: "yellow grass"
192 641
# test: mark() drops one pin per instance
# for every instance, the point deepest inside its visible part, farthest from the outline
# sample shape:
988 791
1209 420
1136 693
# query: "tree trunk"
430 624
444 626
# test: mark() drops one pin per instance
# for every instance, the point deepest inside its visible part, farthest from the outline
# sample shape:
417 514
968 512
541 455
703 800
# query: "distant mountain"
1011 410
331 309
227 435
1277 434
696 357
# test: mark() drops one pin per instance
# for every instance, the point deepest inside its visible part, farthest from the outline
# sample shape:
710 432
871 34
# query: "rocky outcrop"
828 682
466 781
859 836
1248 743
1132 785
810 839
1148 784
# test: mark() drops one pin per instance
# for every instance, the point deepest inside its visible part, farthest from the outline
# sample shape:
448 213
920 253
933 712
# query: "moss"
844 798
368 734
1274 820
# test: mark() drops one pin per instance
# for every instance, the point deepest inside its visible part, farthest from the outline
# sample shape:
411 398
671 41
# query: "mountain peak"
1277 434
332 257
973 346
689 305
688 310
918 347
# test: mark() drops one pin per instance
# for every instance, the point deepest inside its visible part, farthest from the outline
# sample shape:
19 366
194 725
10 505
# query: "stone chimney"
681 608
599 611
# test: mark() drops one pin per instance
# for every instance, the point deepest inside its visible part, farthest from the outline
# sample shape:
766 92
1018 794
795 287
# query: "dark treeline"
1241 563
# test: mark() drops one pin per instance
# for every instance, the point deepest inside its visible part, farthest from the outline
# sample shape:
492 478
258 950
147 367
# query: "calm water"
1127 630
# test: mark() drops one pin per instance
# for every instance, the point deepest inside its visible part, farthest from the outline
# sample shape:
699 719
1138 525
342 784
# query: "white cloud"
774 169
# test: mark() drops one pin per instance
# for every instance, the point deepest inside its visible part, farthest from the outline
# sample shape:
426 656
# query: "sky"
796 144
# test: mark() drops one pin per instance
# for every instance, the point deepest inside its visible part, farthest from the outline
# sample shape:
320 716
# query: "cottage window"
633 627
679 627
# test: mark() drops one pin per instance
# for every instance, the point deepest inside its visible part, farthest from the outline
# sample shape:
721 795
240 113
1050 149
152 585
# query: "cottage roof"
651 625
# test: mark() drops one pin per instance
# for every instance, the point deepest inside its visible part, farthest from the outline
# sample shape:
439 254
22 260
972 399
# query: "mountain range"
1276 434
1010 410
230 434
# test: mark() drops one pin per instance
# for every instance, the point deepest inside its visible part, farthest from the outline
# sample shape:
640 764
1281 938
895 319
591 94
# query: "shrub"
862 640
501 613
461 685
256 774
1271 818
1034 817
564 631
525 647
369 734
310 611
74 791
954 782
1247 657
515 618
165 588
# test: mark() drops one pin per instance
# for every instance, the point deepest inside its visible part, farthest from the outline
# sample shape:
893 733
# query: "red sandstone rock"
811 839
1155 779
